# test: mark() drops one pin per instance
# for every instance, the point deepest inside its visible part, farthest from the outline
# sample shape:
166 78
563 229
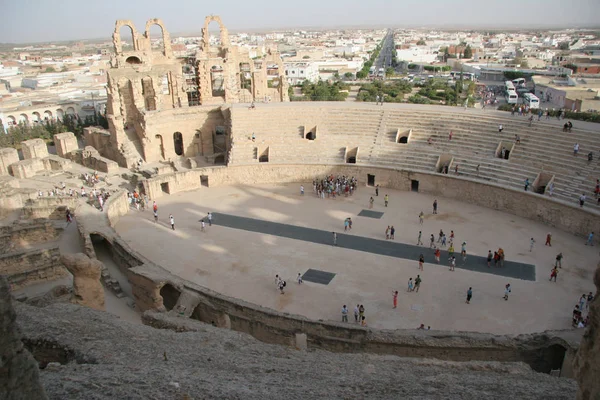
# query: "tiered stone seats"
543 148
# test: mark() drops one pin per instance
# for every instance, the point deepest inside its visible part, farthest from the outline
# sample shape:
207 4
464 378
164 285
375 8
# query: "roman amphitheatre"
194 312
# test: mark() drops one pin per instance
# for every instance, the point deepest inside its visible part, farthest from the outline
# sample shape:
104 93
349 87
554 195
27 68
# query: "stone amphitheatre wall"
536 207
155 289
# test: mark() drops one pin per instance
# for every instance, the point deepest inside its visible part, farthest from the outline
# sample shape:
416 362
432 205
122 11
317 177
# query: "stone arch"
70 111
206 34
60 114
11 121
127 100
178 143
35 117
165 35
170 296
117 35
47 115
161 145
149 93
133 60
24 119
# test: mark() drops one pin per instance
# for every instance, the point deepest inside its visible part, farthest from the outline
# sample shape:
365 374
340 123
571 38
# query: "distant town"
41 83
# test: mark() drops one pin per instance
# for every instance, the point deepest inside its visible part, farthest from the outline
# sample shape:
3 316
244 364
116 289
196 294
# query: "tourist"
500 128
172 220
531 243
356 314
421 327
69 216
558 262
253 137
209 218
550 189
155 216
548 239
575 149
440 236
477 169
437 254
496 258
582 301
301 190
435 205
554 274
456 169
418 283
469 295
344 313
506 291
410 285
395 298
590 239
299 279
517 139
450 136
421 261
335 237
590 298
377 190
421 217
431 241
371 201
385 199
363 321
444 240
582 200
387 233
526 184
202 226
597 188
392 232
489 258
281 286
346 224
451 251
154 206
451 236
361 312
452 263
463 251
419 242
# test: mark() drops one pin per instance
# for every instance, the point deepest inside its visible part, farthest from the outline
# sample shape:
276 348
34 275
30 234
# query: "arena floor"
240 262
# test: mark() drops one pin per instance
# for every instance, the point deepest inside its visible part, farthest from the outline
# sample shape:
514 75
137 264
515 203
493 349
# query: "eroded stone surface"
87 289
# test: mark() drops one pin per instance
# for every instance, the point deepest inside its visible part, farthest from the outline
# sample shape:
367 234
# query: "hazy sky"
47 20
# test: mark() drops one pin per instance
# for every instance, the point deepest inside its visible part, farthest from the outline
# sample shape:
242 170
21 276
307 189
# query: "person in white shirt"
581 200
209 217
172 220
344 313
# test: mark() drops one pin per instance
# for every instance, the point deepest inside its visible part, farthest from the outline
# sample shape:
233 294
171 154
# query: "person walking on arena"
395 298
172 220
435 206
209 218
421 261
554 274
344 313
548 239
419 242
469 295
558 262
418 283
386 199
531 243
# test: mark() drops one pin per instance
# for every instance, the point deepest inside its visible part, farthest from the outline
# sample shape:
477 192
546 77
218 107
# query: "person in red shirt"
549 239
395 295
554 274
437 255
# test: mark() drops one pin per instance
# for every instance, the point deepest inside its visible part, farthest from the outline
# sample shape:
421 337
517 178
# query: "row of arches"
177 144
154 28
35 117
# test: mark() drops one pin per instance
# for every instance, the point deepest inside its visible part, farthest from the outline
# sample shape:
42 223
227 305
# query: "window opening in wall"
220 159
311 135
403 140
165 187
217 81
414 185
204 180
170 296
264 156
133 60
148 93
370 180
165 84
178 143
220 130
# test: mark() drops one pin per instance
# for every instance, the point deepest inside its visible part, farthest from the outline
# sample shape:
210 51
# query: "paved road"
384 59
389 248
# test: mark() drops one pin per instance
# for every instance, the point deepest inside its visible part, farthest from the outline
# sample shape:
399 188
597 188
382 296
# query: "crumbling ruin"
152 94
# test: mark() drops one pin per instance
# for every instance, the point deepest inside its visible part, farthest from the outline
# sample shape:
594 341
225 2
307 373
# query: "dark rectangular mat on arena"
370 214
318 276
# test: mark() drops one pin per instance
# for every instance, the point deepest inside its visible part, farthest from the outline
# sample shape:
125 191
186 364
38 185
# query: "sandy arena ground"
243 264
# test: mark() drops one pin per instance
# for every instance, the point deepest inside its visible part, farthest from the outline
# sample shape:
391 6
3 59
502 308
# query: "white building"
298 72
417 54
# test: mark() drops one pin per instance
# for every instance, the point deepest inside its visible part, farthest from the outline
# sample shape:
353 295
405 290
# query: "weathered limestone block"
34 148
87 289
587 361
20 373
65 142
27 168
8 156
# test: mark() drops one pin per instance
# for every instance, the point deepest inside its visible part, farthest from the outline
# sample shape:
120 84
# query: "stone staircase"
543 148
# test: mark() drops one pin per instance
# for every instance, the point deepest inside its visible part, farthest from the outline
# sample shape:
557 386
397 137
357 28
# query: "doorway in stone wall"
161 146
370 180
178 143
204 180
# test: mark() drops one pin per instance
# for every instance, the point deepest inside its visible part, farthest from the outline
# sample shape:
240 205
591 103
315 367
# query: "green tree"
50 69
510 75
305 57
468 52
389 71
564 46
349 75
421 42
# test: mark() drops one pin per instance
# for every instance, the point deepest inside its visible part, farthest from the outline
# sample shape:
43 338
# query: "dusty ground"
243 264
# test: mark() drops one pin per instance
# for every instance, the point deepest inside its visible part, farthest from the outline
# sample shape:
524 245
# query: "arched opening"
217 81
155 34
35 117
246 84
220 159
133 60
60 114
170 296
127 109
70 111
161 145
546 359
47 115
127 41
403 140
11 121
164 84
178 143
148 93
24 119
214 35
273 80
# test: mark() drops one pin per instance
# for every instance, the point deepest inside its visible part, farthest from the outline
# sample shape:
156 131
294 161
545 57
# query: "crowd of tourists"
332 186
